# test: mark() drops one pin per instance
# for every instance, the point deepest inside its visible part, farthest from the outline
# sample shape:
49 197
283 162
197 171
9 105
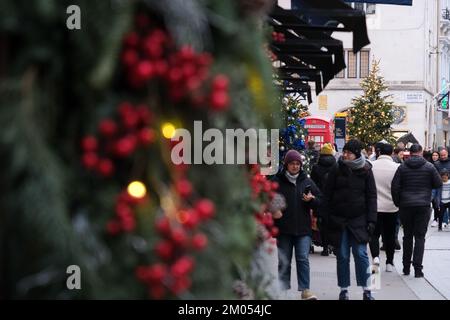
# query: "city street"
394 286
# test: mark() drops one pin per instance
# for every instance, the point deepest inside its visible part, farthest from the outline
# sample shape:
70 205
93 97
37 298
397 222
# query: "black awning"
307 52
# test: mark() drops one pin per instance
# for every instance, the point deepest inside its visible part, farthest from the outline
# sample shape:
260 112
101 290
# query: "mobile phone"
307 189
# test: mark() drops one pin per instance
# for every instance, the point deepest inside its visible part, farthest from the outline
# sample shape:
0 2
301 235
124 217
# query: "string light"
168 130
137 189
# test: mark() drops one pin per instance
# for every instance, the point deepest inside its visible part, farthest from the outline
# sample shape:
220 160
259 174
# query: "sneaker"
397 245
308 295
343 295
367 295
444 225
325 252
434 224
418 273
376 261
389 267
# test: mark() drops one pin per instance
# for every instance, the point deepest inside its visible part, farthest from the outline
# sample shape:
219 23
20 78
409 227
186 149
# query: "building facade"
413 47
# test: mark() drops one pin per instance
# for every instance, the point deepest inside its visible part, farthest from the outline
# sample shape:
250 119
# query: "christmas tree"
293 135
87 116
371 114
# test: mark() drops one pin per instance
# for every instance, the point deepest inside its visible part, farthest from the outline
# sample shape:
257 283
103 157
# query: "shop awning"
308 53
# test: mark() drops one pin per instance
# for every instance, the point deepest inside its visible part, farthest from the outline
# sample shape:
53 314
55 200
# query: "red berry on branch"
89 160
105 167
125 146
193 83
180 285
205 208
190 218
130 119
107 127
162 226
89 143
146 136
164 249
204 59
131 39
220 83
145 70
219 100
130 57
157 272
199 241
175 75
125 108
184 188
128 223
161 67
159 35
179 237
186 53
113 227
123 210
182 267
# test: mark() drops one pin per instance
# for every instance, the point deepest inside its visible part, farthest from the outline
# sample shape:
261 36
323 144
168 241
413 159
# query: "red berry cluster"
264 190
149 54
172 274
278 37
124 220
117 139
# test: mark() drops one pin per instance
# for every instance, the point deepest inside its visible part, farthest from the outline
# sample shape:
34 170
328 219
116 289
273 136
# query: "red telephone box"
320 130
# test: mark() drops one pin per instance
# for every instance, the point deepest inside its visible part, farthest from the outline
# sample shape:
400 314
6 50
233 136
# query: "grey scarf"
292 178
355 164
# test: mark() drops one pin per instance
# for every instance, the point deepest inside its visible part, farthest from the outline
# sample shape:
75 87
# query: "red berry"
184 188
205 208
193 83
190 218
145 70
113 227
128 223
219 100
105 167
161 67
182 267
107 127
125 108
146 136
131 39
199 241
268 220
154 49
125 146
220 83
188 70
130 120
130 57
205 59
123 210
175 75
89 143
186 53
179 237
164 249
89 160
157 272
163 226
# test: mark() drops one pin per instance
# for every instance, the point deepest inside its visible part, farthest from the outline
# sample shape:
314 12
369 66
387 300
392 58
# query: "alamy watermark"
73 21
230 147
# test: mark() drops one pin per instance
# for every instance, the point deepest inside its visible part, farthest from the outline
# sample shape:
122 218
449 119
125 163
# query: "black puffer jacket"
320 171
296 219
413 182
442 164
350 201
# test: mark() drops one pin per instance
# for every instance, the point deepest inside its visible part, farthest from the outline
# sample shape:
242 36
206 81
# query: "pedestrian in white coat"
384 169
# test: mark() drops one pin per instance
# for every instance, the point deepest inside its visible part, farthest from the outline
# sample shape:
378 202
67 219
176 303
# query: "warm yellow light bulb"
137 189
168 130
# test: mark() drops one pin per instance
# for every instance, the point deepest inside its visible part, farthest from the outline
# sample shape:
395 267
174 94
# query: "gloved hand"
371 228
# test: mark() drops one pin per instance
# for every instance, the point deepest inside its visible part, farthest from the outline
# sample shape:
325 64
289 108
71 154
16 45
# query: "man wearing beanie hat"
319 175
294 223
350 207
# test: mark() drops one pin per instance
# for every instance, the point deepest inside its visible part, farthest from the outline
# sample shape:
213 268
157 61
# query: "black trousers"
386 222
415 224
442 208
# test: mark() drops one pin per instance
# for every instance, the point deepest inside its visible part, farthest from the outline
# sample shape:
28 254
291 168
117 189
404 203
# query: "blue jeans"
362 266
301 244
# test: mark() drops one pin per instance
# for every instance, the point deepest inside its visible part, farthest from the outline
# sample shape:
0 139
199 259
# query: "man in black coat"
319 175
444 161
350 206
294 222
411 192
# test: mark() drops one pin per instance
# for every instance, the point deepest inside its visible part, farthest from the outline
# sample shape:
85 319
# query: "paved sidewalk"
394 285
